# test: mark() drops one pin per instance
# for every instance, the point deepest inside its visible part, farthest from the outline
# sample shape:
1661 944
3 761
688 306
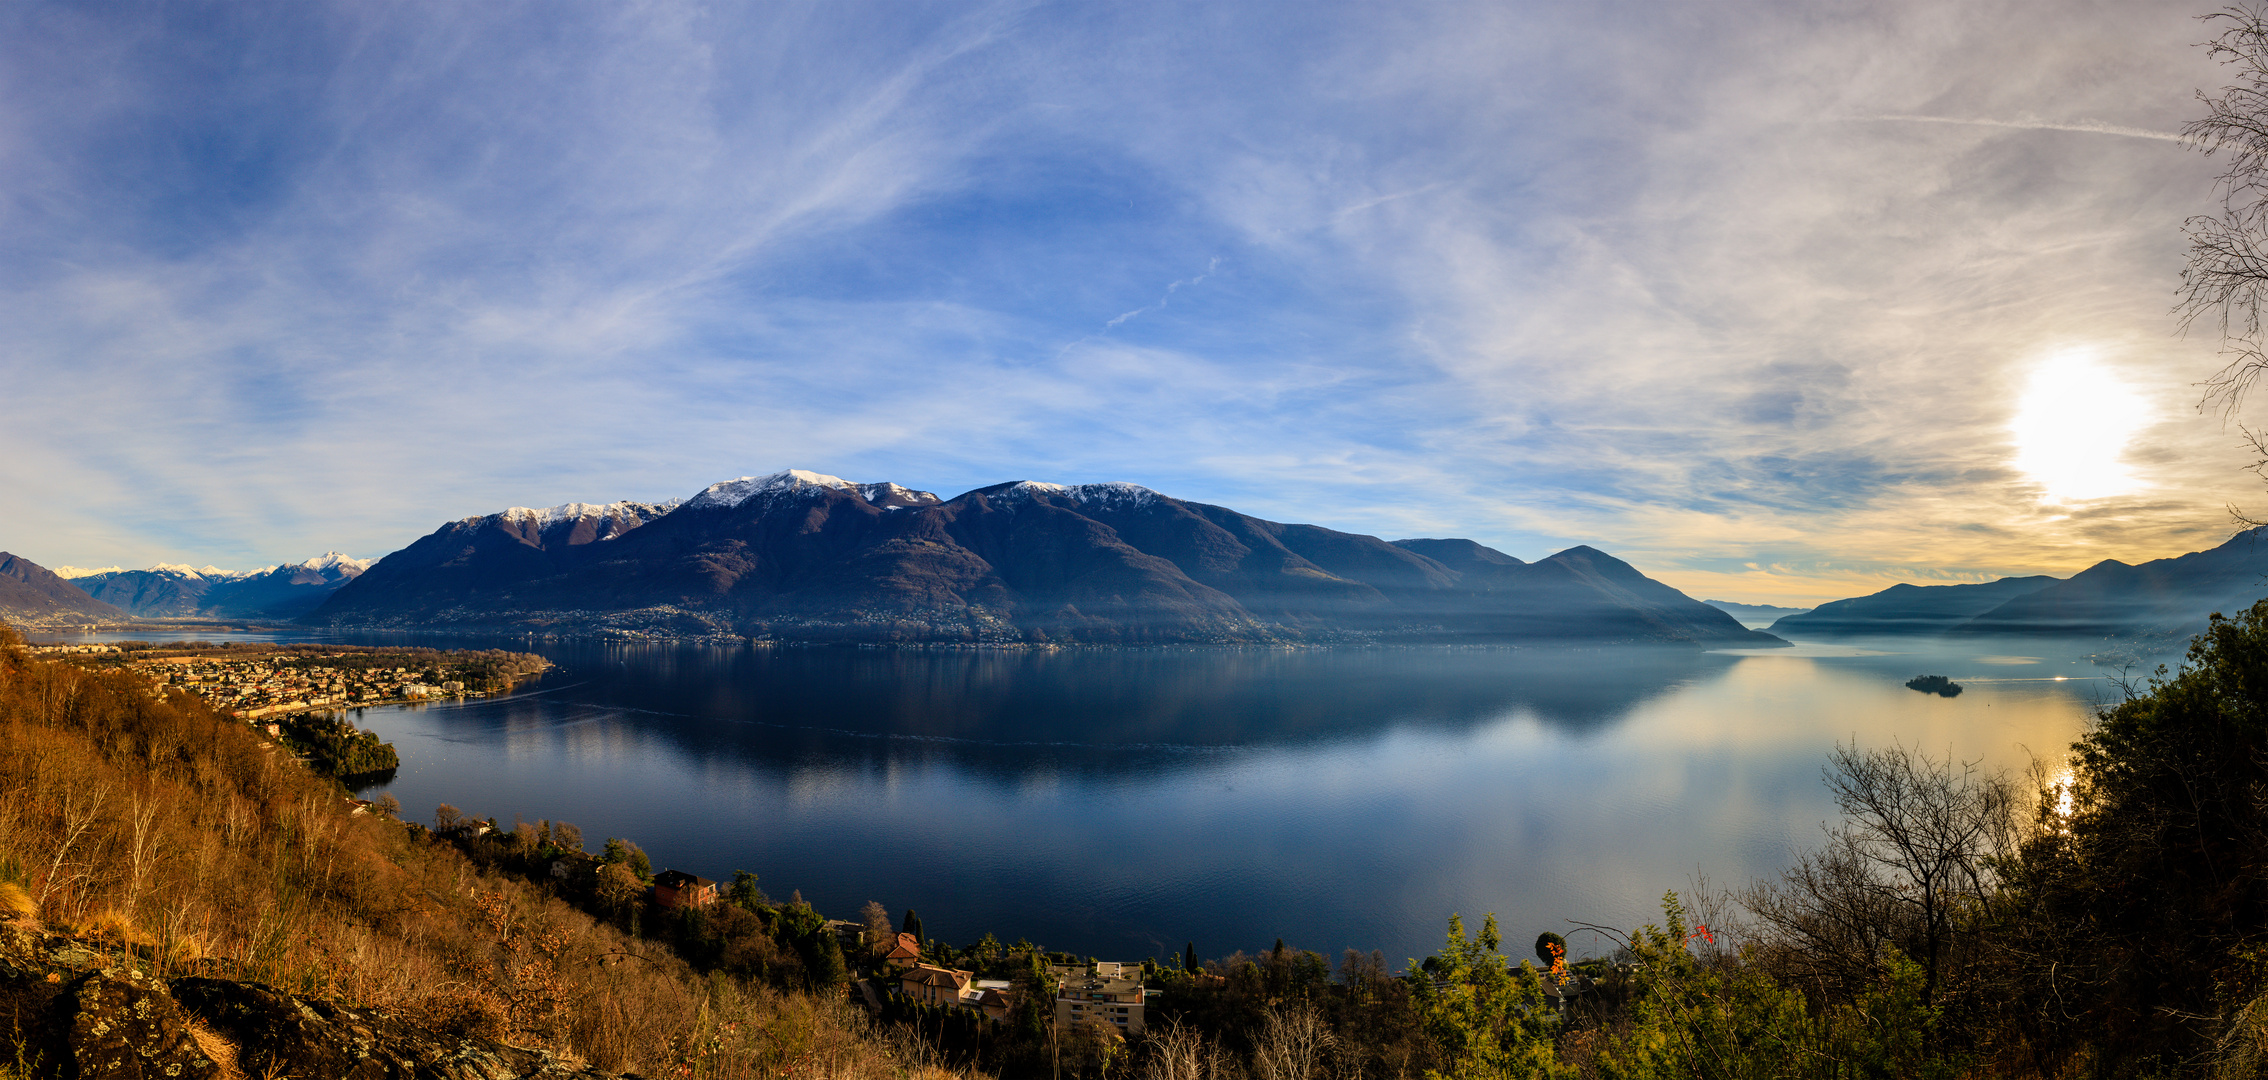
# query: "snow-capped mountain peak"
183 569
731 493
69 572
346 565
1104 494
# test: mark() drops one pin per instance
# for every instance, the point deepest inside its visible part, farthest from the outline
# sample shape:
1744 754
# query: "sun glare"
2072 426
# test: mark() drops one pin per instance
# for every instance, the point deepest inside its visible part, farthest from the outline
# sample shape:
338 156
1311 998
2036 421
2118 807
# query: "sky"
1781 302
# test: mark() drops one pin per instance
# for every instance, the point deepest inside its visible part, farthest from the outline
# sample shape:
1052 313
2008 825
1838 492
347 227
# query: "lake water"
1121 802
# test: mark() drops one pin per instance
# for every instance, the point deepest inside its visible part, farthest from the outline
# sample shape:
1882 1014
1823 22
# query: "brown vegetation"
153 829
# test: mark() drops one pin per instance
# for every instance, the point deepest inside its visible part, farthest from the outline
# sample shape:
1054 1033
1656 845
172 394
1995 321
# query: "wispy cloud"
2089 127
1741 291
1171 288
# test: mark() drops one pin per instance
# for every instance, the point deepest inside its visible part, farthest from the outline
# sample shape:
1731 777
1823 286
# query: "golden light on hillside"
2071 428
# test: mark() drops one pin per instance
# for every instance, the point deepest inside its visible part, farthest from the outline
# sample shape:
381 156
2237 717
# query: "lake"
1121 802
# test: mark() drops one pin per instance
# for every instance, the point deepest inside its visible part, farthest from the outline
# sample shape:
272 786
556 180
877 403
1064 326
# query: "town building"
934 985
1113 1000
676 888
904 952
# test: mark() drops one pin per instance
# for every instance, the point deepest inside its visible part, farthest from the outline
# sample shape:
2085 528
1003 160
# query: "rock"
35 1012
289 1035
123 1024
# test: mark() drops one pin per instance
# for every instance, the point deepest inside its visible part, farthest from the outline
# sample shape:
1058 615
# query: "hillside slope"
30 595
168 866
2165 599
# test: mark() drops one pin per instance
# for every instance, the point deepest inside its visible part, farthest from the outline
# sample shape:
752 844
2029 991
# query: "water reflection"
1121 802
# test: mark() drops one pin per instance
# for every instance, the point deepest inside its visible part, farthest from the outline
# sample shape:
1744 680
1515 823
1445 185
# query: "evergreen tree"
827 967
911 924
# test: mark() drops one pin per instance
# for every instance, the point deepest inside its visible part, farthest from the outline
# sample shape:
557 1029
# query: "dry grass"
155 827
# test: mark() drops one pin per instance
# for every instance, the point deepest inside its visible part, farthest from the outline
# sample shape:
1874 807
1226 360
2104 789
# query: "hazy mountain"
1908 609
31 596
169 590
1754 612
2168 598
803 555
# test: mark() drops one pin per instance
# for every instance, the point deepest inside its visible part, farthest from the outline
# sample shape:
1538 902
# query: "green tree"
828 970
2145 876
911 924
743 893
1726 1023
1485 1018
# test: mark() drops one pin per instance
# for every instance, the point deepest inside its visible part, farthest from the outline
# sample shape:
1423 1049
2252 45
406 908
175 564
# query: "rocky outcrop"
60 1019
296 1036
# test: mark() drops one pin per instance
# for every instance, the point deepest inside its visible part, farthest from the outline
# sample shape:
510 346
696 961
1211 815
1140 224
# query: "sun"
2071 428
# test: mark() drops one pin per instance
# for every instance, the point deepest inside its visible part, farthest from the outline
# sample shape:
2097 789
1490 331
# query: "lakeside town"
259 682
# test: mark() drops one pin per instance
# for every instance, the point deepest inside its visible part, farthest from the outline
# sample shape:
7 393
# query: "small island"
1934 684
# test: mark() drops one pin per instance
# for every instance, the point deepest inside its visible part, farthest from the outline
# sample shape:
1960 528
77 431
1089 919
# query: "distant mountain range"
1753 612
803 556
169 590
1909 609
2155 603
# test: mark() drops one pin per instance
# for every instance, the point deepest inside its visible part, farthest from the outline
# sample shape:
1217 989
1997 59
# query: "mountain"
170 590
1908 609
285 592
2162 598
1757 612
801 555
32 596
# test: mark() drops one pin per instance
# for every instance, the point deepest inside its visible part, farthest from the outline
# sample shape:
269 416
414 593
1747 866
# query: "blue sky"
1763 297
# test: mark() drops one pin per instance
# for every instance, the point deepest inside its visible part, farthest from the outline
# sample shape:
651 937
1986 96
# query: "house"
905 952
935 985
992 998
675 888
1110 1001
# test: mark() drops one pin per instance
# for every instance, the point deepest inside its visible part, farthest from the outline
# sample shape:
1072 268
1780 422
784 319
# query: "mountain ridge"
800 555
173 590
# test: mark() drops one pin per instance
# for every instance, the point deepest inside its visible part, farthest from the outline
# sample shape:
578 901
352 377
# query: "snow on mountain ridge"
726 494
69 572
332 560
1111 493
576 511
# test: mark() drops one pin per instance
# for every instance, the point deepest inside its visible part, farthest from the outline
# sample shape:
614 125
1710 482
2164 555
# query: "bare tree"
1177 1052
446 817
80 808
1911 865
618 887
141 849
1293 1041
879 935
2227 276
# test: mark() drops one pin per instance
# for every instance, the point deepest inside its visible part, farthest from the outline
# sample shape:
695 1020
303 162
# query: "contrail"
2088 126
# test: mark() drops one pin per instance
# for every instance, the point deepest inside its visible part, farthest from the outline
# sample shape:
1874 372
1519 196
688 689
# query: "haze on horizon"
1780 302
